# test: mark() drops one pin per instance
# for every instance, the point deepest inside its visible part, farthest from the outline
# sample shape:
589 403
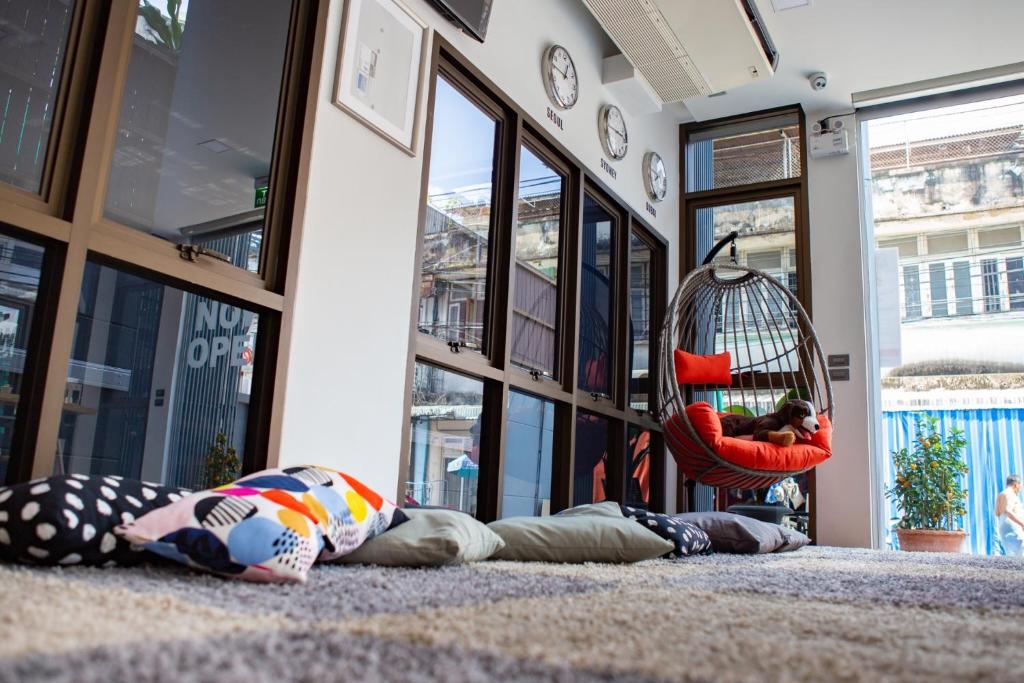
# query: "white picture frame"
380 68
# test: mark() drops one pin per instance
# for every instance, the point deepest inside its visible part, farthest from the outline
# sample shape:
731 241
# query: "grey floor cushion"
731 533
430 538
577 538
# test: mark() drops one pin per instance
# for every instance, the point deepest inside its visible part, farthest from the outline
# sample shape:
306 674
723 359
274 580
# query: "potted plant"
929 489
222 465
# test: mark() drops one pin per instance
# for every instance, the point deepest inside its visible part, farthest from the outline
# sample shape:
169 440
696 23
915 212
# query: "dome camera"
818 80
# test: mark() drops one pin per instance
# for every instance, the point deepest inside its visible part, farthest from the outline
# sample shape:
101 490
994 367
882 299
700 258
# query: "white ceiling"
869 44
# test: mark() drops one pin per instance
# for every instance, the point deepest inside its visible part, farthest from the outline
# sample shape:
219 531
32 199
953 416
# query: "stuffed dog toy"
796 418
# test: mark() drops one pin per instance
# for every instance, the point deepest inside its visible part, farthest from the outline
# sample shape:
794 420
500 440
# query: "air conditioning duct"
690 48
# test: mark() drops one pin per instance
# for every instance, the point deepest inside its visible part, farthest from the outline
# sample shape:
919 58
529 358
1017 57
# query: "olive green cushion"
606 509
577 538
431 538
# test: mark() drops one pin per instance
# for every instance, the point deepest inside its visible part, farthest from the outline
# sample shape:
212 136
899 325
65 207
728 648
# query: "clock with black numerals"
560 78
612 129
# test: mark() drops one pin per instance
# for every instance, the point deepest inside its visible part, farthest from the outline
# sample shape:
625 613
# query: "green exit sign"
261 197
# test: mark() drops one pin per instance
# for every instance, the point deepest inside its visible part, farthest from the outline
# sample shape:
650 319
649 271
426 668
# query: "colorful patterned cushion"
267 526
70 519
687 538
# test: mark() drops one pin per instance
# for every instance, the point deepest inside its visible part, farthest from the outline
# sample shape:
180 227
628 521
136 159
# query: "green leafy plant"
165 31
929 479
222 464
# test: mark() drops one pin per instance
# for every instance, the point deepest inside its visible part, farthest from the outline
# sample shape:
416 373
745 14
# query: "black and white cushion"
687 538
70 519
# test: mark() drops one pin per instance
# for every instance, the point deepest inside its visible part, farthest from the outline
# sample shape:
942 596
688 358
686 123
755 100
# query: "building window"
197 126
456 238
999 238
597 279
640 262
444 447
938 287
1015 282
907 246
157 376
962 287
912 291
991 285
743 153
952 243
35 35
591 468
537 242
526 489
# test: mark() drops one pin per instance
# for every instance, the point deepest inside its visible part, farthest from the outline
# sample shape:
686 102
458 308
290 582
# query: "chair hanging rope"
775 356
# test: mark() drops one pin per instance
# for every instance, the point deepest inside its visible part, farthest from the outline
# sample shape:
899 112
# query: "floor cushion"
744 451
578 538
431 538
687 538
731 533
70 519
607 508
268 526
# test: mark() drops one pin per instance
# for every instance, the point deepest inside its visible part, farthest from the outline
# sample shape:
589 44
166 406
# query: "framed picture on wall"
380 58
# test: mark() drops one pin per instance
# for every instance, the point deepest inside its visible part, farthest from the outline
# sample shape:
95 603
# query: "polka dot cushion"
268 526
70 519
687 538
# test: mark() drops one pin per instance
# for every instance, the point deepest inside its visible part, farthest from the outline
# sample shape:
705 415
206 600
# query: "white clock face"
655 177
560 77
613 132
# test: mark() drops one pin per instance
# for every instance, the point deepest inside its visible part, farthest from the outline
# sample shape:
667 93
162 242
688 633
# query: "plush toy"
796 418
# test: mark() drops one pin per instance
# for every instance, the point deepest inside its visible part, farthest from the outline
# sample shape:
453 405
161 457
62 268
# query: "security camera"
818 80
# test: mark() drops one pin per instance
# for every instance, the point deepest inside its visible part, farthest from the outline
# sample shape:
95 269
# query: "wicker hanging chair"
775 356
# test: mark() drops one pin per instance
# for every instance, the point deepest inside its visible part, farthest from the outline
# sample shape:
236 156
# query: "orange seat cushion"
695 369
756 455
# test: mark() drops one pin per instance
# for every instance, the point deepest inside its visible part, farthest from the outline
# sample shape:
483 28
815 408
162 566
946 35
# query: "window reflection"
198 117
530 436
33 38
453 275
159 378
20 266
535 314
597 277
444 445
638 467
590 469
639 322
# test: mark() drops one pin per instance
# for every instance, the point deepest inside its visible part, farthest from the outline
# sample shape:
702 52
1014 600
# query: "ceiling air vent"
689 48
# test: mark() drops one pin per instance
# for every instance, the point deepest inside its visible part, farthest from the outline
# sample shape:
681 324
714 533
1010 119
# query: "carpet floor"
816 614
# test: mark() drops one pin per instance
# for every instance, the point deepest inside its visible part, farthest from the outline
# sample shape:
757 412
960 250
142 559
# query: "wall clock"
560 78
612 129
655 177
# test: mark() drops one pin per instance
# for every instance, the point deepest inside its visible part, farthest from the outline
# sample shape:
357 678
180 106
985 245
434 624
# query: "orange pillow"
694 369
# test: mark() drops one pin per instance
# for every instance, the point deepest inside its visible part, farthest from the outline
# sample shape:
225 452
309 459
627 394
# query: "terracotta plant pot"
931 540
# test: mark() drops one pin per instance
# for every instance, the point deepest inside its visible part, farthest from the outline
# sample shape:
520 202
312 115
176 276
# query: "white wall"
347 365
841 310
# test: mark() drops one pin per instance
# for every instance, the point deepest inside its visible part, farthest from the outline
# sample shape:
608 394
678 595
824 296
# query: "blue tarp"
995 448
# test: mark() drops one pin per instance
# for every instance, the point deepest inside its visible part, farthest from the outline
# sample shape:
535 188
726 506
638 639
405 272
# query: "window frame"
495 368
67 217
686 495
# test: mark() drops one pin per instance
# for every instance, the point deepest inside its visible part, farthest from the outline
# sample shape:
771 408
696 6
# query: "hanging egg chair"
773 356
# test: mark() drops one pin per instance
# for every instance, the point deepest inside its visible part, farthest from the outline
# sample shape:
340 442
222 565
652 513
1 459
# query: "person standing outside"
1010 517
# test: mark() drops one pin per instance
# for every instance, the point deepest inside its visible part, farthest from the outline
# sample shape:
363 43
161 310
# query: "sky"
947 121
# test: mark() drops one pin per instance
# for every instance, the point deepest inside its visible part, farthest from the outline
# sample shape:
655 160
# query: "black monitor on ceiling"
470 15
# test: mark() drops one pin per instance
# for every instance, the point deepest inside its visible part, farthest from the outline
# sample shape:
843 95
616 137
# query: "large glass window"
743 153
33 37
159 380
590 468
526 489
444 444
638 468
1015 282
937 287
597 242
453 275
196 130
535 308
20 265
641 334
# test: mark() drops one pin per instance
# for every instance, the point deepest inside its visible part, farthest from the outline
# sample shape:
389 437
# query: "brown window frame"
494 365
690 202
67 218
